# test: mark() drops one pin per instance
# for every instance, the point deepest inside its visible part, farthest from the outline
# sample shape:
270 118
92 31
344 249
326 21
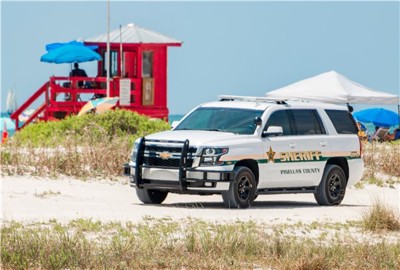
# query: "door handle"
292 145
323 144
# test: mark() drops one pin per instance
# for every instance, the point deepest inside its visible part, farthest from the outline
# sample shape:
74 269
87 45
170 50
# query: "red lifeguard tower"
137 72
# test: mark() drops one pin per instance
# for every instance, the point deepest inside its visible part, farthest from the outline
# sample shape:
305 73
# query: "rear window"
342 121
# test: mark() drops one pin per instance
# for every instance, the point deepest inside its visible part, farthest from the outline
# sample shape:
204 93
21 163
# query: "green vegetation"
100 127
187 244
87 146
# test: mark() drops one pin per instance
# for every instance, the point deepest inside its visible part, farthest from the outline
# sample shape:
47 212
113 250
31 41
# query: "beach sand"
29 199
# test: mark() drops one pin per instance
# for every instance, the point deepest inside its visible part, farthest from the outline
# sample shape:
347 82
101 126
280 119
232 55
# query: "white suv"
242 147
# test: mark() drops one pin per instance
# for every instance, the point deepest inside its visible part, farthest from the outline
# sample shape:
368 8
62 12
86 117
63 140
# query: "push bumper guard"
183 181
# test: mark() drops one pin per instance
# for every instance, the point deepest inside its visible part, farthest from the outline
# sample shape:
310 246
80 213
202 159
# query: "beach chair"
394 136
380 134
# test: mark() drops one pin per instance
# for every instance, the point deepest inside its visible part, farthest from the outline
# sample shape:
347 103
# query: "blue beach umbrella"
70 54
378 116
57 45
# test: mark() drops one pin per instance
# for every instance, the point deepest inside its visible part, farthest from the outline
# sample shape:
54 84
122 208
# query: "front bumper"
179 179
178 175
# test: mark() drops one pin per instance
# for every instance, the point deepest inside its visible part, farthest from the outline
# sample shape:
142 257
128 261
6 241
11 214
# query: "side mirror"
273 131
174 124
257 121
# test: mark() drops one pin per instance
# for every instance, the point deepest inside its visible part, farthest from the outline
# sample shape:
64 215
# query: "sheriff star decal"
271 155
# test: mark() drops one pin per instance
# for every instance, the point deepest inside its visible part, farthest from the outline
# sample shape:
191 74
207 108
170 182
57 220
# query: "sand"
29 199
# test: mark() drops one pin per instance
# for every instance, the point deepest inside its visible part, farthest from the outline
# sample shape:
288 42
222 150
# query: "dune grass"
82 147
381 218
382 159
188 244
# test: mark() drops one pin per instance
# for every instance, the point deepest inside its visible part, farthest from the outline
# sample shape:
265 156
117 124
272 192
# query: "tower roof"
134 34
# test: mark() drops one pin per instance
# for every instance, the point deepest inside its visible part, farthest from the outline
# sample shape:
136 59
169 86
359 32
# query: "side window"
280 118
342 121
308 122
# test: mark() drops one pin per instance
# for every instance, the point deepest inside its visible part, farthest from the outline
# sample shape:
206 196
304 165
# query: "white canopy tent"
332 87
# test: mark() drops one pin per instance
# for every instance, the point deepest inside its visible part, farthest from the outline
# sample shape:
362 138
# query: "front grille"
152 155
153 161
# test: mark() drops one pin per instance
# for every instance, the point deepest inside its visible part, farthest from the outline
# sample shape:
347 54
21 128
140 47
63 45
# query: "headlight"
211 155
134 151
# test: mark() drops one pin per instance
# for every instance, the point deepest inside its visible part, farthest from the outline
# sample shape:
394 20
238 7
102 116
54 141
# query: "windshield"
239 121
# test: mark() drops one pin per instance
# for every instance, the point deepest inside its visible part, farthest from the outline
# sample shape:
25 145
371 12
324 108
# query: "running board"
287 190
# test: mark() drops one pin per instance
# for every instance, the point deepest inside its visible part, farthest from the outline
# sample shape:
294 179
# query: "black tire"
332 188
242 191
151 196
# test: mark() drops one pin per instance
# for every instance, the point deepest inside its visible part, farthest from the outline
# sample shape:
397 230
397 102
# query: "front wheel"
332 188
242 191
151 196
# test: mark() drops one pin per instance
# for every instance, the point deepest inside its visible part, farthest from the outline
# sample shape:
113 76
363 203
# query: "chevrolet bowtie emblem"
165 155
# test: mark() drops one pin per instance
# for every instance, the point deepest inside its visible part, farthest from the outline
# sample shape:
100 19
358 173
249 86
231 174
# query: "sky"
229 47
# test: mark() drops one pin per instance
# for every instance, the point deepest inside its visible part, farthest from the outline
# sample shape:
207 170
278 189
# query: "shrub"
87 146
113 123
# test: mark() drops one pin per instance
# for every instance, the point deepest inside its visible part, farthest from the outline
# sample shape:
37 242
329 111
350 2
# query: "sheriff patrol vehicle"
242 147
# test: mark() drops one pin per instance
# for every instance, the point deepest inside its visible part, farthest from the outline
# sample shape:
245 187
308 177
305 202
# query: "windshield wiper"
218 130
213 129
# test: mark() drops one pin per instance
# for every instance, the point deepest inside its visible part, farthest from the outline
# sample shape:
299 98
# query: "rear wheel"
151 196
332 188
242 191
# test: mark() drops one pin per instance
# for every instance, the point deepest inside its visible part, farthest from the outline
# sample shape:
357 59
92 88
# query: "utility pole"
108 48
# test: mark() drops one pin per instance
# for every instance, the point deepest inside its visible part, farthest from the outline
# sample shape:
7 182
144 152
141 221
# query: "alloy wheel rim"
334 186
244 188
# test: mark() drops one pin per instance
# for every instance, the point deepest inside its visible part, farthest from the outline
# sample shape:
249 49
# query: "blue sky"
238 48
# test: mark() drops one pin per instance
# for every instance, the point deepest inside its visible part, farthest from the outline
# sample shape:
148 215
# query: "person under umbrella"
78 72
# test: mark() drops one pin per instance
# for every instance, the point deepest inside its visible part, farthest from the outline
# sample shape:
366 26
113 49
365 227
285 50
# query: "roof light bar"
254 99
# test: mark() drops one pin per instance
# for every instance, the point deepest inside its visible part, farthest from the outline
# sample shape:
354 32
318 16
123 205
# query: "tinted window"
307 122
342 121
280 119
